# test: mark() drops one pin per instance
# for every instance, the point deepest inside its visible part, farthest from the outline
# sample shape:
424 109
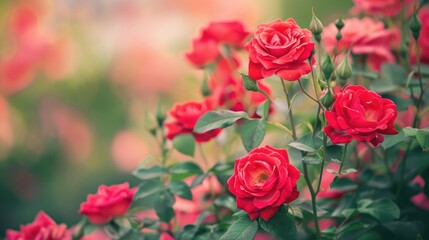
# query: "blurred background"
78 79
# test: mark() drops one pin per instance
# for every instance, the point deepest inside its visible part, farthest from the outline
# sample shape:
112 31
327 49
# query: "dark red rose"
108 203
42 228
360 114
185 116
281 48
262 181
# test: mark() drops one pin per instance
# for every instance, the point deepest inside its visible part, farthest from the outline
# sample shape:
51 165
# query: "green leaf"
148 188
395 73
149 173
183 170
392 140
384 210
198 180
163 206
252 133
218 119
263 109
302 147
410 132
181 189
249 84
242 229
404 230
422 137
343 184
281 226
334 152
188 232
184 143
312 159
226 201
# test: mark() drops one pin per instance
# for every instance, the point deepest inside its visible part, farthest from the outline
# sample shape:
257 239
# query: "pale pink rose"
364 36
188 211
109 202
127 150
380 7
7 138
42 228
421 200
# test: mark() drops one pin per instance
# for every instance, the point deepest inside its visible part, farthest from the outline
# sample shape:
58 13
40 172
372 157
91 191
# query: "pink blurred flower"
423 39
42 228
188 211
109 202
69 126
421 200
7 138
364 36
127 150
380 7
406 118
98 234
166 236
325 186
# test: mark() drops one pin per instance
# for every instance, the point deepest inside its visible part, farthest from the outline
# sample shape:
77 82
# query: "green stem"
292 124
325 140
266 95
306 93
342 159
306 175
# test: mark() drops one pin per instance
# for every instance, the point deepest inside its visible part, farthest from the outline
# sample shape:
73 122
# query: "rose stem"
415 122
203 156
343 158
325 140
307 179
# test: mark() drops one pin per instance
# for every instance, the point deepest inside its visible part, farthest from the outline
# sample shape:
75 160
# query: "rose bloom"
107 203
364 36
281 48
421 200
42 228
185 116
206 48
379 7
360 114
188 211
262 181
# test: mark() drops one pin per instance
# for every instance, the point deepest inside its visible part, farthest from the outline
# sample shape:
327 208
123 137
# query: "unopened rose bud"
339 36
339 24
327 98
415 26
160 117
205 90
344 70
316 26
328 67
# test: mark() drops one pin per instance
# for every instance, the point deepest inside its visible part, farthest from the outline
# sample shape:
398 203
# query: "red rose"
281 48
185 116
107 203
364 36
229 32
43 228
379 7
206 48
262 181
360 114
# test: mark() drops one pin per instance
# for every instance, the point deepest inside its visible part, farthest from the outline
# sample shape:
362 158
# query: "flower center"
262 177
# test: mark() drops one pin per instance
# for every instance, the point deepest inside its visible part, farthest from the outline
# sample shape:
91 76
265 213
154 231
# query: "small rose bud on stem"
344 71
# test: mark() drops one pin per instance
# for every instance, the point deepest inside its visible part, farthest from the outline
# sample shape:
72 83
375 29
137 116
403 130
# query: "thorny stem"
325 140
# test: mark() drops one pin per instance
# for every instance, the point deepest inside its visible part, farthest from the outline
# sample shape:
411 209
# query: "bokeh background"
78 79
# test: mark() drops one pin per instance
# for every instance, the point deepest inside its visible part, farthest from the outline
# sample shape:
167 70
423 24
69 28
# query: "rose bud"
108 203
262 181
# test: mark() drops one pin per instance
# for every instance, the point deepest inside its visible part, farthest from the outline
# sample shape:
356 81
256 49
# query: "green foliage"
183 170
149 173
281 226
163 205
180 189
249 84
241 229
252 133
218 119
384 210
185 144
